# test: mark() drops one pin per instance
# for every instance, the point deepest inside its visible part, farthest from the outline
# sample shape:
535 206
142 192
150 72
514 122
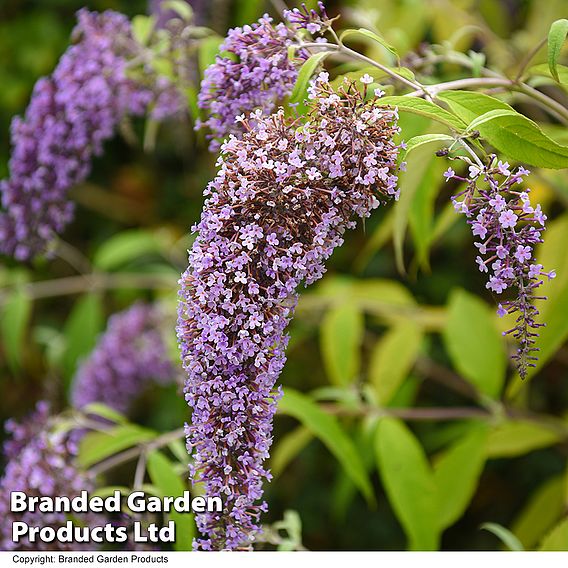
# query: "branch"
132 453
545 101
356 55
94 281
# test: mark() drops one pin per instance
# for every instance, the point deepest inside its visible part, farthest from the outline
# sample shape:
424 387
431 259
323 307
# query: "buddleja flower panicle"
41 463
129 356
283 197
508 228
70 115
256 75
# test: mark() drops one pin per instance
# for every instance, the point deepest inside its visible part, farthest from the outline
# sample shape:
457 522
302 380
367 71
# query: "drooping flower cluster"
508 227
70 115
255 74
129 355
41 464
282 199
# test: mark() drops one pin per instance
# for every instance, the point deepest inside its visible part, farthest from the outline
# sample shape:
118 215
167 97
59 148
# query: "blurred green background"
364 320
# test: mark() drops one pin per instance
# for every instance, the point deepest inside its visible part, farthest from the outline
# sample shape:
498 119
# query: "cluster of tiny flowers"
309 19
128 357
508 227
41 464
283 197
70 115
256 74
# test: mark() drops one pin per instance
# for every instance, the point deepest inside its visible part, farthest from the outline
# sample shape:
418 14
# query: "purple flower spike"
502 216
129 355
282 199
261 75
70 116
41 464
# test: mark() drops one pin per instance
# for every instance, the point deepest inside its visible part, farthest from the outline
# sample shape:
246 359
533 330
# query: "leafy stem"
431 91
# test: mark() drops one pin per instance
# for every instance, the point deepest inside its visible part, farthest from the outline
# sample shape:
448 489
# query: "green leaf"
375 241
104 411
97 446
163 475
543 509
457 472
422 206
142 27
544 70
513 134
81 331
417 141
411 182
409 483
14 322
181 7
125 247
474 344
300 91
392 359
557 539
504 535
518 437
556 37
288 447
469 105
341 335
328 429
488 117
370 35
423 108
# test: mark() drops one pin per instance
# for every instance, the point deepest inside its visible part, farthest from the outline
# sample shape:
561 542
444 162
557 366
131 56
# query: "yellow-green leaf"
519 437
543 509
341 335
512 133
81 331
417 141
392 359
163 475
557 539
370 35
474 344
300 91
556 37
142 27
409 483
287 448
328 429
15 318
457 472
424 108
97 446
125 247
